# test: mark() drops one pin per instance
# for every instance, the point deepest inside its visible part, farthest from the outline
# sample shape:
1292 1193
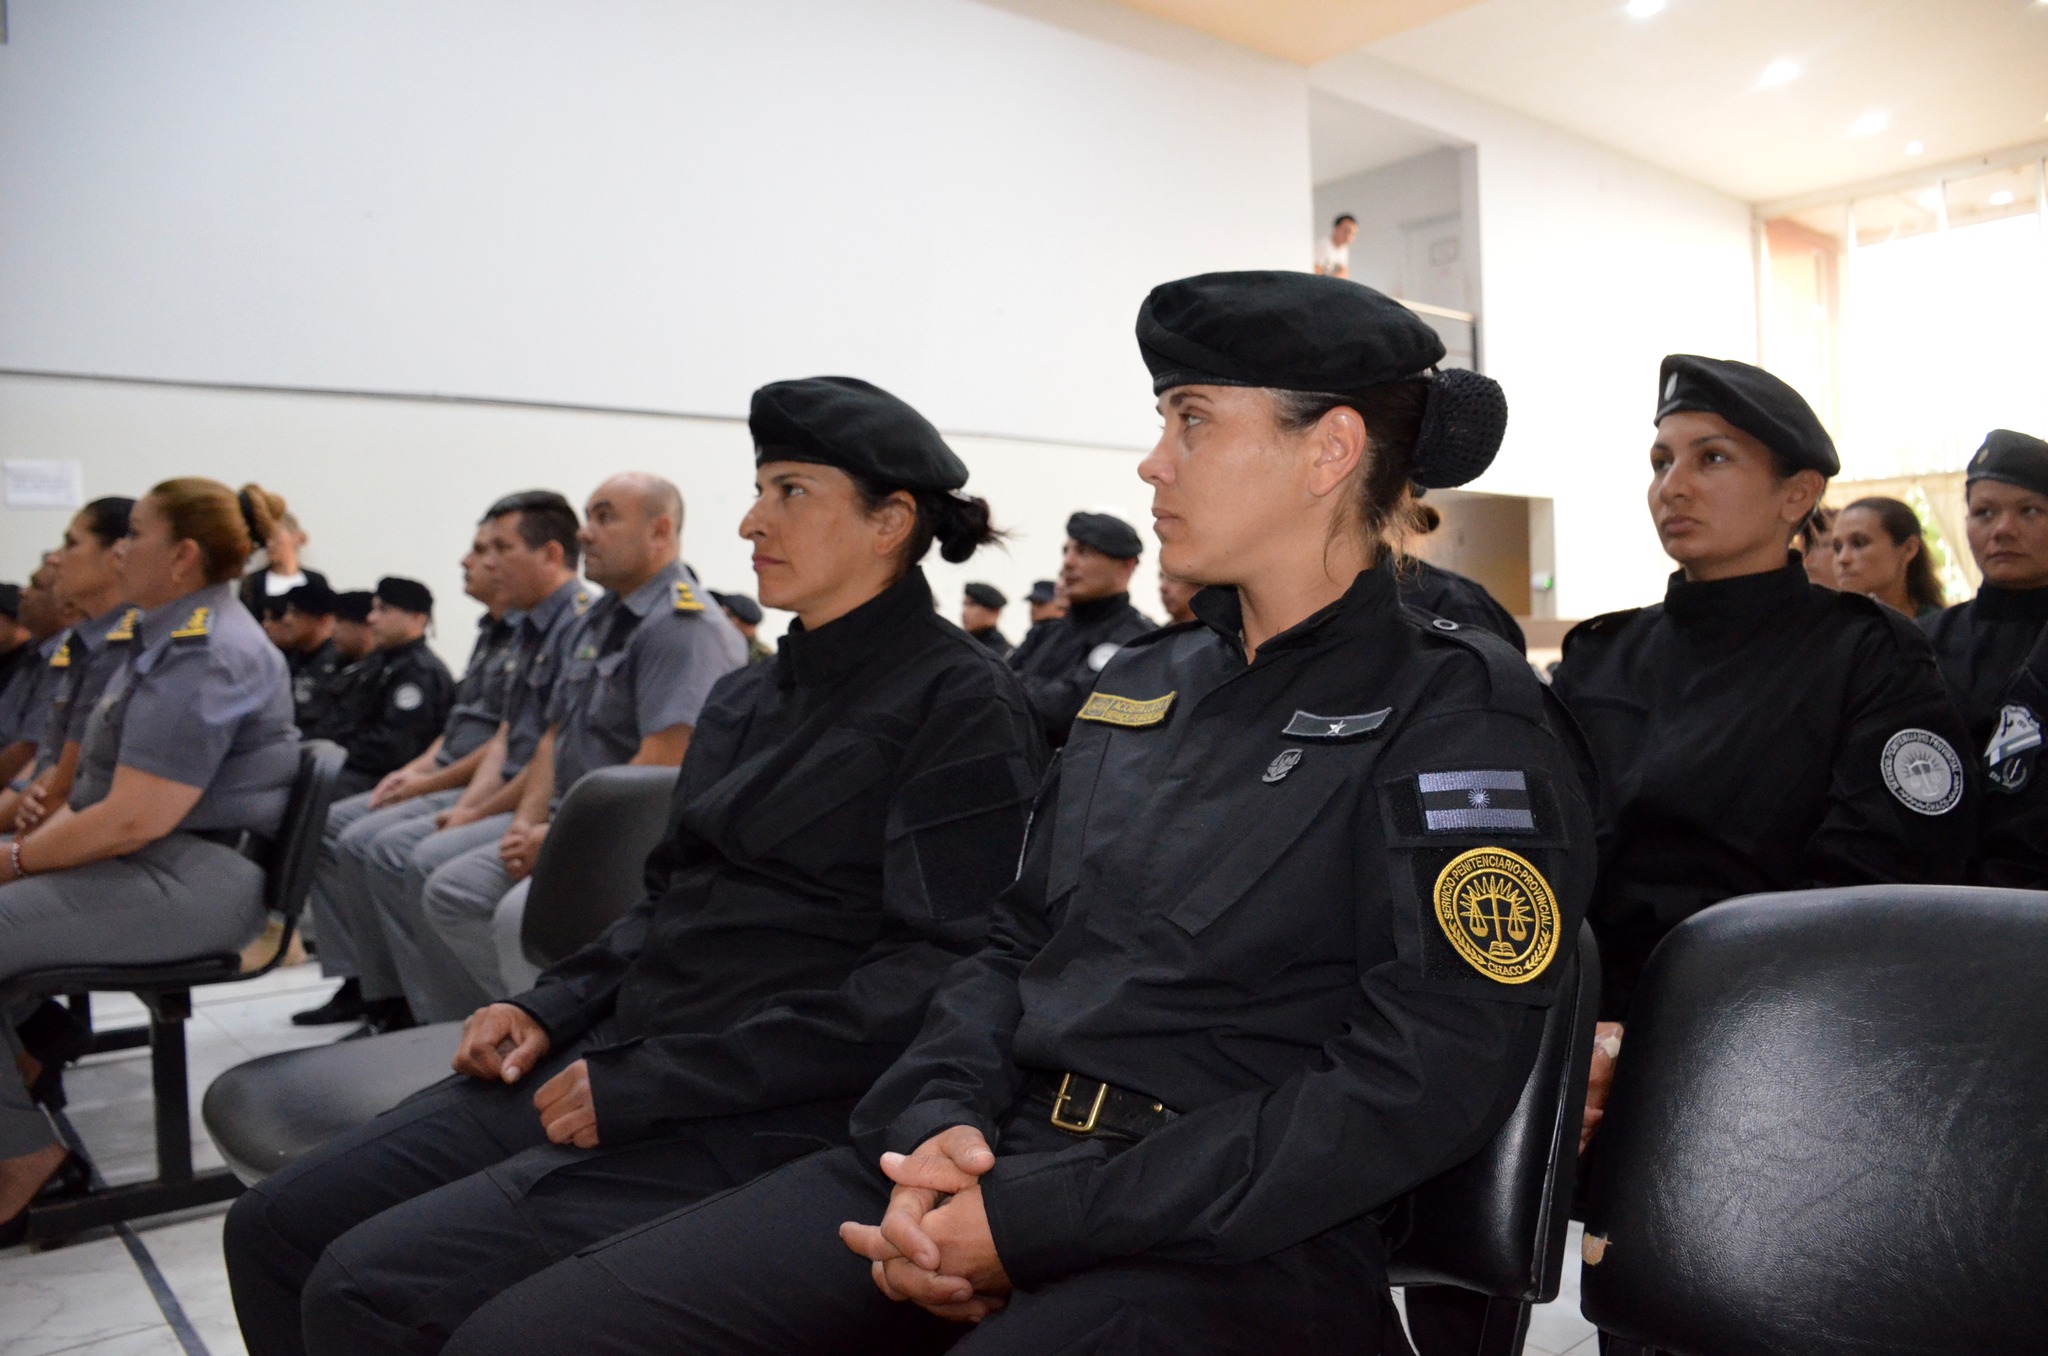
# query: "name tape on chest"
1133 713
1922 772
1496 800
2009 758
1498 913
1308 725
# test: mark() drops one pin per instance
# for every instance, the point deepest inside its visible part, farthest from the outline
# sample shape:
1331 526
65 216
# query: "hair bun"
1462 425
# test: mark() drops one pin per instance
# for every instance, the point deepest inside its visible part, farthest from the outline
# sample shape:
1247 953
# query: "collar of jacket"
812 658
542 614
416 643
1743 597
658 588
159 621
1097 609
1370 597
1997 604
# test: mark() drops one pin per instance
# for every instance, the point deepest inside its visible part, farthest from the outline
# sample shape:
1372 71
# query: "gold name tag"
1106 709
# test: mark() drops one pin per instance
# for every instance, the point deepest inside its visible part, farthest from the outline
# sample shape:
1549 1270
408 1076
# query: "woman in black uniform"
844 819
1753 732
1285 926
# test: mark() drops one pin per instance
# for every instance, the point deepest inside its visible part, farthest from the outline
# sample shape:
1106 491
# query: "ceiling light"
1643 9
2002 198
1916 148
1783 71
1870 124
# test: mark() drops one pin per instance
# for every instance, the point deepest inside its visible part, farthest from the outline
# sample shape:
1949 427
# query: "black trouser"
762 1269
387 1238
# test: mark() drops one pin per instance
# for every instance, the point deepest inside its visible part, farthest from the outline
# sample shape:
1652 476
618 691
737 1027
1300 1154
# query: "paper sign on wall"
45 484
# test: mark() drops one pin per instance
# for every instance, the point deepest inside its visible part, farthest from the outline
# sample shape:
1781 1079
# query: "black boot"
345 1006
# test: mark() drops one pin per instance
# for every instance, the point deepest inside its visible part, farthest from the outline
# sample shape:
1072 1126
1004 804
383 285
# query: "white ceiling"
1345 138
1680 89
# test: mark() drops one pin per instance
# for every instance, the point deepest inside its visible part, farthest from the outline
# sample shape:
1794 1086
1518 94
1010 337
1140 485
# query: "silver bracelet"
14 855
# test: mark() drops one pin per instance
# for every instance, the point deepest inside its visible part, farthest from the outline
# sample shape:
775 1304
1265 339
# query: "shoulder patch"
582 601
686 598
1460 802
1922 772
2009 759
62 659
1499 914
124 629
197 626
407 697
1104 708
1100 656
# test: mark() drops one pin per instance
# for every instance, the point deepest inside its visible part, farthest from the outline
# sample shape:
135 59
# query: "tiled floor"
90 1297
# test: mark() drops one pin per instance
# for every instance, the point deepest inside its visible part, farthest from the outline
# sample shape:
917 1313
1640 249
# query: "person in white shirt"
1333 255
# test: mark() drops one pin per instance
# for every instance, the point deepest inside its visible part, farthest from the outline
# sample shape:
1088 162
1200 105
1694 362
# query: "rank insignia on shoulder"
1459 802
1922 772
686 598
62 659
2007 765
1498 913
1105 709
582 601
196 626
124 629
1307 725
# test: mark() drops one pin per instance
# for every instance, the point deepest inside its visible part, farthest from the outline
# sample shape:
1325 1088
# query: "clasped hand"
933 1246
504 1042
519 849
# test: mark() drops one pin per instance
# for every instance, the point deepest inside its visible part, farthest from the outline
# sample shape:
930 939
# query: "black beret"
1042 592
987 595
1754 401
1290 331
740 605
409 594
1307 332
1106 533
855 426
313 598
10 600
2015 458
353 606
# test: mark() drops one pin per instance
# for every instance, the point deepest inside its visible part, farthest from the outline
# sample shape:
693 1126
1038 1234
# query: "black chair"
1826 1133
166 990
1495 1225
271 1111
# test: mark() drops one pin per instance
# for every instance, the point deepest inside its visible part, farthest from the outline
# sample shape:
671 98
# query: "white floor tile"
57 1300
188 1253
157 1341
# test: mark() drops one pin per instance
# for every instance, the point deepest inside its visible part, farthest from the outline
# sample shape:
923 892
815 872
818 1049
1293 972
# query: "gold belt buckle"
1059 1106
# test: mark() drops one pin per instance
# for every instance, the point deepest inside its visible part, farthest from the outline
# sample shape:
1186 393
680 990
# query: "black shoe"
346 1005
54 1035
72 1179
48 1089
381 1017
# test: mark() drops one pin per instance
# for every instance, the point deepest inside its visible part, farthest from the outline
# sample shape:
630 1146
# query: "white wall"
394 486
647 203
1419 188
1594 266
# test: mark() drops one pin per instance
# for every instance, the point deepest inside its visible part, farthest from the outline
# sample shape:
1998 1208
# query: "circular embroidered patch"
1922 772
1499 914
1102 654
408 697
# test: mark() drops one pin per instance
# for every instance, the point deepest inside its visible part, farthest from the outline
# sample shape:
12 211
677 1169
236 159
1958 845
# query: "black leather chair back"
1495 1224
1828 1133
590 869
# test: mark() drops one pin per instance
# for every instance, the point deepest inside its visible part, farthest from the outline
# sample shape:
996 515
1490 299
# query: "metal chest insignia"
1922 772
1283 763
1498 913
2009 758
1308 725
1106 708
196 626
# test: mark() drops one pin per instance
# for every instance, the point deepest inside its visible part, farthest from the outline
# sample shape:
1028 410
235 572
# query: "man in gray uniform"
531 551
640 665
425 786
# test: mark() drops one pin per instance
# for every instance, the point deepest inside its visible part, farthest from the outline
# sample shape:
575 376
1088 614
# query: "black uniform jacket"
2013 847
1034 641
1450 594
1059 672
843 822
998 643
317 689
1981 644
392 707
1229 903
1758 734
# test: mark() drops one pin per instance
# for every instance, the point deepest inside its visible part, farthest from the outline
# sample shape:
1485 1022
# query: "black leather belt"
1089 1106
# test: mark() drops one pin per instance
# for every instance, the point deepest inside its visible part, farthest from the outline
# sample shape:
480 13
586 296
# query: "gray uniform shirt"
25 711
204 699
87 659
545 635
639 664
480 695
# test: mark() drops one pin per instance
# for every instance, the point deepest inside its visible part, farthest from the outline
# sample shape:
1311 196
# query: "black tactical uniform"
317 689
844 818
1446 593
1302 915
2013 845
1060 672
392 709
